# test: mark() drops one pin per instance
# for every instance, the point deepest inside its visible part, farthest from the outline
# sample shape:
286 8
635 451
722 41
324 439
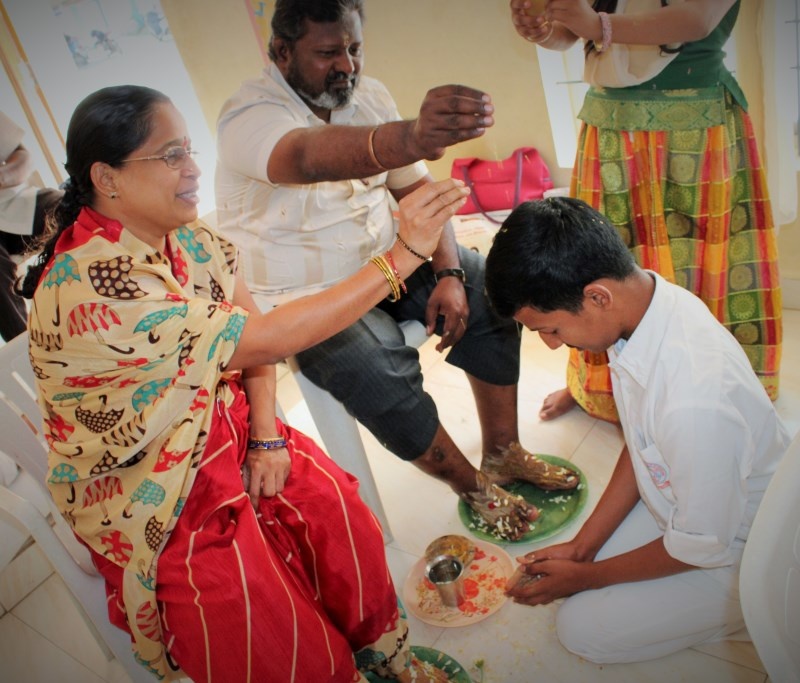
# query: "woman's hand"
423 214
578 16
538 22
529 23
265 472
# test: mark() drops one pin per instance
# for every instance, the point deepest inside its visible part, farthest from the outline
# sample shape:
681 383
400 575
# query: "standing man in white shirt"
311 156
22 220
655 568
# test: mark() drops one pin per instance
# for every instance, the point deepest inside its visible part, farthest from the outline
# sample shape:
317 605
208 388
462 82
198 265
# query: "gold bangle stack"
393 280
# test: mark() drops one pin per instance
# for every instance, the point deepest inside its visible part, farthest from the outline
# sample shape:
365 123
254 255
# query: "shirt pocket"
657 469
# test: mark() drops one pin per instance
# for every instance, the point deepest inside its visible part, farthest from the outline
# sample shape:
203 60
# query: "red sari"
147 431
287 593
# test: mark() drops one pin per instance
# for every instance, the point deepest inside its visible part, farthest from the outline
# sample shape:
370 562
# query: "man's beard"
330 98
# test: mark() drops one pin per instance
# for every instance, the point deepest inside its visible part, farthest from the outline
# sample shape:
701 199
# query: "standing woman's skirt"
680 177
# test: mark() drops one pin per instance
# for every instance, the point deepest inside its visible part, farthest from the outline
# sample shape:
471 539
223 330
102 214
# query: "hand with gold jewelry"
530 19
422 216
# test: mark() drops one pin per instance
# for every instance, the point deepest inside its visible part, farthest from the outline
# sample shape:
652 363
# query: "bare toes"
557 404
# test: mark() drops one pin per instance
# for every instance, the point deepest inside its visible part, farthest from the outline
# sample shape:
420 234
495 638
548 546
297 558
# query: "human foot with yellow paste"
422 672
504 515
514 462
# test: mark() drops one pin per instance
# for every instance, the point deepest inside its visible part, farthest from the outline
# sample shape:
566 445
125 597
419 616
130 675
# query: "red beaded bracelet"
400 282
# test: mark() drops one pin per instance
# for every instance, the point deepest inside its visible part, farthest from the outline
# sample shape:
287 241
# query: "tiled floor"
42 640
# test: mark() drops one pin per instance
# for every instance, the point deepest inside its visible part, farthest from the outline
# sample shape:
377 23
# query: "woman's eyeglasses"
174 157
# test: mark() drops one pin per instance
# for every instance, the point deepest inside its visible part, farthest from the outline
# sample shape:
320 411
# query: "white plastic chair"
339 430
21 439
769 580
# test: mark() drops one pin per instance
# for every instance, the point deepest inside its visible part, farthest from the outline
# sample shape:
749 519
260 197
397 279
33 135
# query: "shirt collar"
91 223
635 355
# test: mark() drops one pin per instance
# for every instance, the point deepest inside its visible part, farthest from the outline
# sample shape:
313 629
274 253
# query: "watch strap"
451 272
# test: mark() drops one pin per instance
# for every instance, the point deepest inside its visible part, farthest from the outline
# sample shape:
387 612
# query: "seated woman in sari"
233 549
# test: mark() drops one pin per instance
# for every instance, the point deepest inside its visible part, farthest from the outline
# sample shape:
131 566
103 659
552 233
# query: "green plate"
454 670
557 509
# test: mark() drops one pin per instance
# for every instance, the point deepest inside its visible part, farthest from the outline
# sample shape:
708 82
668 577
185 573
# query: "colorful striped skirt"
680 177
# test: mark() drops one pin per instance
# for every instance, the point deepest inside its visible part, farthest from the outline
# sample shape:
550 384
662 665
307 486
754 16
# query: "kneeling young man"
655 568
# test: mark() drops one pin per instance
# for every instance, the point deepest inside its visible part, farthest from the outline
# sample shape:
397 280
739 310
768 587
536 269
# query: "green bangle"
267 444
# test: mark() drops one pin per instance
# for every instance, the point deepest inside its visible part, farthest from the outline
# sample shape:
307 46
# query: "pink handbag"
505 184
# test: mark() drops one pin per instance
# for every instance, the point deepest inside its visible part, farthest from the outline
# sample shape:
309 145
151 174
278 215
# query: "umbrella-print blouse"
129 346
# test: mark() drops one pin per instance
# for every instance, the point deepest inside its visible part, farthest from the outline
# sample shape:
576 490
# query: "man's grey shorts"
378 378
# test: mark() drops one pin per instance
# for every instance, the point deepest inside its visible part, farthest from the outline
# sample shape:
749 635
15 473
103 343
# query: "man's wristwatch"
451 272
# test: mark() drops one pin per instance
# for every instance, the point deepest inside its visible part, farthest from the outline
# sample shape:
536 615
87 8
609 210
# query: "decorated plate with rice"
484 587
430 656
557 509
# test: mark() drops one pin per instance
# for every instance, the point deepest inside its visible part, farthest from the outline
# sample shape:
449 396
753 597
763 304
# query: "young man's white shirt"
704 437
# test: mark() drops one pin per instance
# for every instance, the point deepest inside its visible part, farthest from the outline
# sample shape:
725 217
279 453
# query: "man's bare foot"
515 462
556 404
502 514
422 672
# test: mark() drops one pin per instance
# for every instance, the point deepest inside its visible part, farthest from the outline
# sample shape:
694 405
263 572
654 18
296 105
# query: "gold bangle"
542 41
427 259
371 149
384 267
391 278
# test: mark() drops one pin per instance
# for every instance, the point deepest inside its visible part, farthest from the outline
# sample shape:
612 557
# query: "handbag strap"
518 180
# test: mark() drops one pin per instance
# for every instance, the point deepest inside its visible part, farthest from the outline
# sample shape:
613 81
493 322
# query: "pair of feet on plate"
422 672
507 515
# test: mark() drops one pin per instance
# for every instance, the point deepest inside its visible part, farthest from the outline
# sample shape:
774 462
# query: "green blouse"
699 64
693 90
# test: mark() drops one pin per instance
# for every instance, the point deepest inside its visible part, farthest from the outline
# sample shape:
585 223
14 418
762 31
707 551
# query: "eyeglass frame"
187 153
